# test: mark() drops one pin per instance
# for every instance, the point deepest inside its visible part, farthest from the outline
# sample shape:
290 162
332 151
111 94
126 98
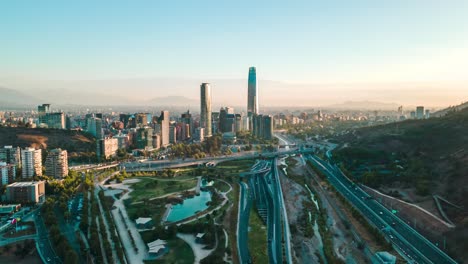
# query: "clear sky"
292 41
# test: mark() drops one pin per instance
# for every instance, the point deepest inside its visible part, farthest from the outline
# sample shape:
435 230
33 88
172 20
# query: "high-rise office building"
164 121
428 113
267 127
141 119
124 119
239 123
11 155
57 163
205 111
31 160
420 112
252 97
144 138
52 120
172 134
94 127
263 126
187 119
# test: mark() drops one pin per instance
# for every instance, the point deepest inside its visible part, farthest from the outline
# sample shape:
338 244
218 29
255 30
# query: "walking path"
121 224
106 225
197 248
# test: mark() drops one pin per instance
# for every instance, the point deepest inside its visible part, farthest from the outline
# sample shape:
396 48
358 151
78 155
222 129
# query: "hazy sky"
290 41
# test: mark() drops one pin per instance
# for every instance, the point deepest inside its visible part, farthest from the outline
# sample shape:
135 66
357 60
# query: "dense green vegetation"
257 238
59 242
148 188
211 146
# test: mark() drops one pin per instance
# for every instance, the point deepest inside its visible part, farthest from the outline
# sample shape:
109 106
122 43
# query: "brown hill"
72 141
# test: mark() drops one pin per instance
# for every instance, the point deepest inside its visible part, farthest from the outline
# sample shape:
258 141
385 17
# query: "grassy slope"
257 238
433 153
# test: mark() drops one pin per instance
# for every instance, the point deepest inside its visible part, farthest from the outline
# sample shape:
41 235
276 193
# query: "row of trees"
59 241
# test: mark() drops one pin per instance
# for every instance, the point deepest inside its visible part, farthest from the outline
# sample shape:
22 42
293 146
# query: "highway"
165 164
407 241
283 213
245 203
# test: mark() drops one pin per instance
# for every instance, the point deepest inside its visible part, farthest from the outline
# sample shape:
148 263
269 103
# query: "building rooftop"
24 184
143 220
156 246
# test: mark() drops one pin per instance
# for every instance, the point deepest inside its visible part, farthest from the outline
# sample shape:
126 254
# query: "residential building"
7 173
11 155
31 162
26 192
57 163
123 141
205 111
107 147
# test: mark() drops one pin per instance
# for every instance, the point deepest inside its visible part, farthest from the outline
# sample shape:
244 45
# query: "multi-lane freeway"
407 241
245 203
165 164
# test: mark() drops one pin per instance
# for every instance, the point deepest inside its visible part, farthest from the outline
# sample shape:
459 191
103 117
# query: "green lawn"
148 188
179 253
243 165
257 238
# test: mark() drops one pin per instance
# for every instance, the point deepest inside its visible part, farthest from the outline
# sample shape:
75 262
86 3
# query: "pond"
190 206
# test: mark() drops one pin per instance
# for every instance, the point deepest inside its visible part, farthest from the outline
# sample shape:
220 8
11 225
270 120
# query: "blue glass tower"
252 98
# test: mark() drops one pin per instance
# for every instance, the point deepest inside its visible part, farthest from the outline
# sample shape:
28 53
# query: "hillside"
76 143
414 160
443 112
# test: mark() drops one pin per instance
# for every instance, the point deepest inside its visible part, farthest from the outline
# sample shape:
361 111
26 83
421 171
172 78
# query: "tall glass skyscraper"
205 111
252 97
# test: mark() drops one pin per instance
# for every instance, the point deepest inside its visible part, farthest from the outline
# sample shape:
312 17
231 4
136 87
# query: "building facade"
252 96
11 155
31 162
26 192
7 173
164 121
107 147
57 163
205 111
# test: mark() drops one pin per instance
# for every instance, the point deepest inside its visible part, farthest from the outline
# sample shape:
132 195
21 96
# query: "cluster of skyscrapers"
226 121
